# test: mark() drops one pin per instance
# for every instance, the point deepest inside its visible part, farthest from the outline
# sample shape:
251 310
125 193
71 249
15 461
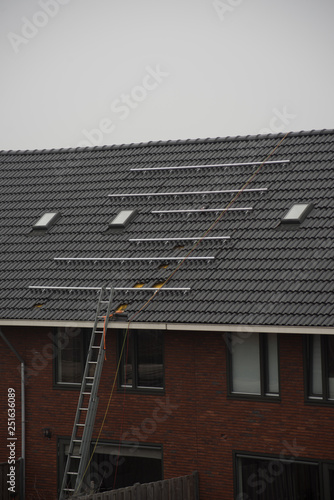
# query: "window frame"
64 441
264 377
135 388
86 334
314 399
322 466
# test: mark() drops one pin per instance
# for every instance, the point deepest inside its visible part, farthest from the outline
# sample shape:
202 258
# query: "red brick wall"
201 433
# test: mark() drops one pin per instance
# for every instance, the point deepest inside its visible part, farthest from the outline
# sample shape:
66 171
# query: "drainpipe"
23 424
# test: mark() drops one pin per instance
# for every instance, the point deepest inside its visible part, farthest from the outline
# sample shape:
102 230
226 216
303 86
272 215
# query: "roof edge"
243 330
168 142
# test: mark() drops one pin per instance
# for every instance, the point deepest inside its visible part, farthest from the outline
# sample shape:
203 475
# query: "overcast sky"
89 72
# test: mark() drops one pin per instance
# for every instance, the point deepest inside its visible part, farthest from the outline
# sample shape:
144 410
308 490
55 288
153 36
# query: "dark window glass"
320 367
127 361
115 466
273 479
142 360
149 359
71 346
330 365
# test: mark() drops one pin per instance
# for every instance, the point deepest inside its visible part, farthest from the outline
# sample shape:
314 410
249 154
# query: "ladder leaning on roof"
79 449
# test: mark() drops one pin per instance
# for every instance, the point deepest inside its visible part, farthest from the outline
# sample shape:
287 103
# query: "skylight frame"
297 213
47 220
121 220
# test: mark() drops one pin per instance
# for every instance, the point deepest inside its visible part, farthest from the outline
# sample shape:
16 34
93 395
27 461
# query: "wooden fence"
178 488
5 494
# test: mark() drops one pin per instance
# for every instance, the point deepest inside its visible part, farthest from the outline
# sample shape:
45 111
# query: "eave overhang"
189 327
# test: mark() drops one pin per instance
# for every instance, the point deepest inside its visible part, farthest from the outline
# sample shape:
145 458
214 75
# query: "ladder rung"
81 425
75 456
77 440
98 331
93 362
95 347
86 393
73 473
90 377
86 409
68 489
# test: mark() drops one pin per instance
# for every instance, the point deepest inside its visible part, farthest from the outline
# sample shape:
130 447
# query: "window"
142 360
71 346
121 220
260 478
297 213
45 222
320 367
253 365
132 463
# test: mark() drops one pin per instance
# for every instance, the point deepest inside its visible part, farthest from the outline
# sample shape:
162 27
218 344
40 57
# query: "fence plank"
180 488
150 491
157 490
165 490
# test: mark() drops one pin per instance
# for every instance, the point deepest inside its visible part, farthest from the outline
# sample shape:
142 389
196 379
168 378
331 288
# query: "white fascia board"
120 325
307 330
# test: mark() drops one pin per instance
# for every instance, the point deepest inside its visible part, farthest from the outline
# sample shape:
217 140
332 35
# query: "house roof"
261 272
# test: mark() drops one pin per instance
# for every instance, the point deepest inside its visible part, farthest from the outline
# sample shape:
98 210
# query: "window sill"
131 390
254 397
319 402
66 387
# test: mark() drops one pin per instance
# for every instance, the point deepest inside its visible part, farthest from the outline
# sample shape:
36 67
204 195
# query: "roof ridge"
168 142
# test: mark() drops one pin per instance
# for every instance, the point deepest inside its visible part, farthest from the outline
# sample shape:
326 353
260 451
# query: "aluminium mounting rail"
182 193
143 169
79 449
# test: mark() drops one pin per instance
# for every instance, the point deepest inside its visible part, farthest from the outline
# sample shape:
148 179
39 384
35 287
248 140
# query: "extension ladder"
79 449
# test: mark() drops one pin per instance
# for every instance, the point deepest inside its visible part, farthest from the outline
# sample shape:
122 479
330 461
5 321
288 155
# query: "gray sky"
88 72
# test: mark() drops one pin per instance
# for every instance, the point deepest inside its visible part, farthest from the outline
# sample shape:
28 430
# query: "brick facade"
203 426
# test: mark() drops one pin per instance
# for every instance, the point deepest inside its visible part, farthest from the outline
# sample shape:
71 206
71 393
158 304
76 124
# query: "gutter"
23 423
193 327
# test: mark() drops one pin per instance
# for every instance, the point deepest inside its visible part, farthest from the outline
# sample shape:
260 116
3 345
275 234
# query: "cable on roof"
126 336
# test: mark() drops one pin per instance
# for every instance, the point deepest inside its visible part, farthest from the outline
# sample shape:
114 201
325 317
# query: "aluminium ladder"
79 449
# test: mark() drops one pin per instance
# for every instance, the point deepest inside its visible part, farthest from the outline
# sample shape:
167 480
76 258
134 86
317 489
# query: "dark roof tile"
260 276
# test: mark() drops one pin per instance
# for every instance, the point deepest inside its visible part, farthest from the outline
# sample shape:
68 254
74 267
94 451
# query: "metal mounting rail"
189 192
180 238
211 166
93 288
201 210
78 459
97 259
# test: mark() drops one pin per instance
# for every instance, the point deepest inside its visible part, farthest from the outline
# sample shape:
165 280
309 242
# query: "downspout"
23 424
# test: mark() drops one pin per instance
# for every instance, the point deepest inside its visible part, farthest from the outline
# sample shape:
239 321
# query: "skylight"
122 219
46 221
297 213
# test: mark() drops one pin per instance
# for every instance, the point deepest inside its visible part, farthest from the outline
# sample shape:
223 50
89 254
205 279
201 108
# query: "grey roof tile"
260 276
